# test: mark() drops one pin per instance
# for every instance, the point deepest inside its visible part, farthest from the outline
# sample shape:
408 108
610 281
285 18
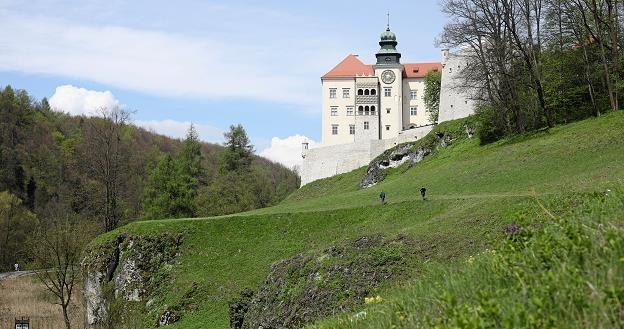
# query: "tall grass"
27 297
566 271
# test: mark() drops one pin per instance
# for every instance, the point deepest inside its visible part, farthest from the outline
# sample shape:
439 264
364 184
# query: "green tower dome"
388 35
388 54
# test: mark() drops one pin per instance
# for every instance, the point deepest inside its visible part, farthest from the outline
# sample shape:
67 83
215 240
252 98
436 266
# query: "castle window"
387 127
350 110
413 95
346 92
366 92
366 110
388 110
387 92
360 92
334 129
332 92
372 110
334 111
351 129
365 125
413 111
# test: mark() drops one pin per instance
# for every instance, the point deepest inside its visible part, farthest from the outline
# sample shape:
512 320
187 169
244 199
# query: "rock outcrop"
123 270
310 286
415 152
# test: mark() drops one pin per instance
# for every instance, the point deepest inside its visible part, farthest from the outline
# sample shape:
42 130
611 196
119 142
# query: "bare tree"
106 158
57 250
601 20
524 19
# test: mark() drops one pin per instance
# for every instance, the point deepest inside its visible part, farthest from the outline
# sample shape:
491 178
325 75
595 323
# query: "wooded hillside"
94 171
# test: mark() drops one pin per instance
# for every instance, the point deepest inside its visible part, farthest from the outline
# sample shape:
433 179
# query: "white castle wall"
455 101
327 161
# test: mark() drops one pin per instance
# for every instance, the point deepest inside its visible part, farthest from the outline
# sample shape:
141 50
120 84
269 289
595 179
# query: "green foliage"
238 150
433 82
560 271
191 157
16 226
229 193
479 189
170 191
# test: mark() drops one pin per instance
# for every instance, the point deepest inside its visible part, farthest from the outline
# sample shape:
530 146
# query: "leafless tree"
105 156
57 250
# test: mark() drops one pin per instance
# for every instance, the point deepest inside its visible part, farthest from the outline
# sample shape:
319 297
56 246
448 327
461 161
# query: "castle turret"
388 54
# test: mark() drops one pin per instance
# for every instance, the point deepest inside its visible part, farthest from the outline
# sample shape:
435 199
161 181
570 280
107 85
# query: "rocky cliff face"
415 152
124 270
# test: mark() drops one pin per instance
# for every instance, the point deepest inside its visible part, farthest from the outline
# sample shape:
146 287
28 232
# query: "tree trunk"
66 316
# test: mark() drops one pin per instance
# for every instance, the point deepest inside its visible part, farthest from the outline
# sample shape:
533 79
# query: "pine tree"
238 150
169 192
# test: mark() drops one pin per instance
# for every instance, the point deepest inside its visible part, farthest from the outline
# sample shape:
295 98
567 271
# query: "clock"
387 76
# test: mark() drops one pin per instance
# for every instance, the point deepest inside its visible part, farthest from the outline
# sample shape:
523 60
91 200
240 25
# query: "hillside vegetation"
102 172
519 189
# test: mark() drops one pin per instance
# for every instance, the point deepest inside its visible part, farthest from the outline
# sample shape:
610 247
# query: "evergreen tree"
191 158
169 192
238 150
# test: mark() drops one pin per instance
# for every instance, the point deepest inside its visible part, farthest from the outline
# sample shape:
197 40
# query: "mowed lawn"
473 191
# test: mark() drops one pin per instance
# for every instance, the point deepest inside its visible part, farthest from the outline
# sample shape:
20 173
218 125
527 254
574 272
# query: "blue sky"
213 63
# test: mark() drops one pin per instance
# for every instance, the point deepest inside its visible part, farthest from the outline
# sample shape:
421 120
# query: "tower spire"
388 25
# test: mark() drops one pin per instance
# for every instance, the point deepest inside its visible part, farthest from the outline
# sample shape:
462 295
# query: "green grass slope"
474 191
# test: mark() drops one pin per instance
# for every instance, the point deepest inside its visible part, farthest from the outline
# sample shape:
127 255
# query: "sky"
210 63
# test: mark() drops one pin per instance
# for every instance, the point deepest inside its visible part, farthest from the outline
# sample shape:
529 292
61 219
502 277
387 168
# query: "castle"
370 108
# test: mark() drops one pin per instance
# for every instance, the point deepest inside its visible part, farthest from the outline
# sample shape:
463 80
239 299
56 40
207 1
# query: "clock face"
387 76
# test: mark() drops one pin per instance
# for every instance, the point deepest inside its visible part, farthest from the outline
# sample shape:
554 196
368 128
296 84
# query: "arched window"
366 110
360 92
372 110
361 110
365 91
373 92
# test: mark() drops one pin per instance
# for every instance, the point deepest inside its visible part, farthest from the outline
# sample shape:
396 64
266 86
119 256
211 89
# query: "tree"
57 249
169 192
191 158
106 158
16 225
238 150
433 82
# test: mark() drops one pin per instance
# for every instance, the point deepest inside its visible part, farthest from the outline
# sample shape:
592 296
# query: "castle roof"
352 66
419 70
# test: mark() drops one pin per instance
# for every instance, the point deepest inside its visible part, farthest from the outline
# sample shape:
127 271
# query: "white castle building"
370 108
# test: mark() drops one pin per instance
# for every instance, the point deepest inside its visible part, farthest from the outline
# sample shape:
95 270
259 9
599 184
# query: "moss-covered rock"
442 136
310 286
127 269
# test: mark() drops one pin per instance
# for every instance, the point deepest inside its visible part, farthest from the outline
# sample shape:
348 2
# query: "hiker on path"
382 197
16 266
423 193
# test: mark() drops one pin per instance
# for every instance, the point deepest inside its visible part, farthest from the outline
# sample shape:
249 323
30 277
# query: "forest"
89 175
532 64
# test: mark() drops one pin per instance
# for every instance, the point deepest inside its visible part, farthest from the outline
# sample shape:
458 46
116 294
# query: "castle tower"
389 71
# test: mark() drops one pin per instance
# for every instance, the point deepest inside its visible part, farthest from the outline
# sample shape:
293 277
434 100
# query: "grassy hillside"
474 192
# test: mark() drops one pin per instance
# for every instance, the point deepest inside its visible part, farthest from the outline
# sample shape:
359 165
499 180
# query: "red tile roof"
351 66
419 70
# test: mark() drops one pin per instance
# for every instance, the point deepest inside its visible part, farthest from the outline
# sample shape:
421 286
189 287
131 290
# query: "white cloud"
178 129
80 101
286 151
163 63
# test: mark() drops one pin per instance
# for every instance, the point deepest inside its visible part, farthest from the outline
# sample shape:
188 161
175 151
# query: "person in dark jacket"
382 197
423 193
